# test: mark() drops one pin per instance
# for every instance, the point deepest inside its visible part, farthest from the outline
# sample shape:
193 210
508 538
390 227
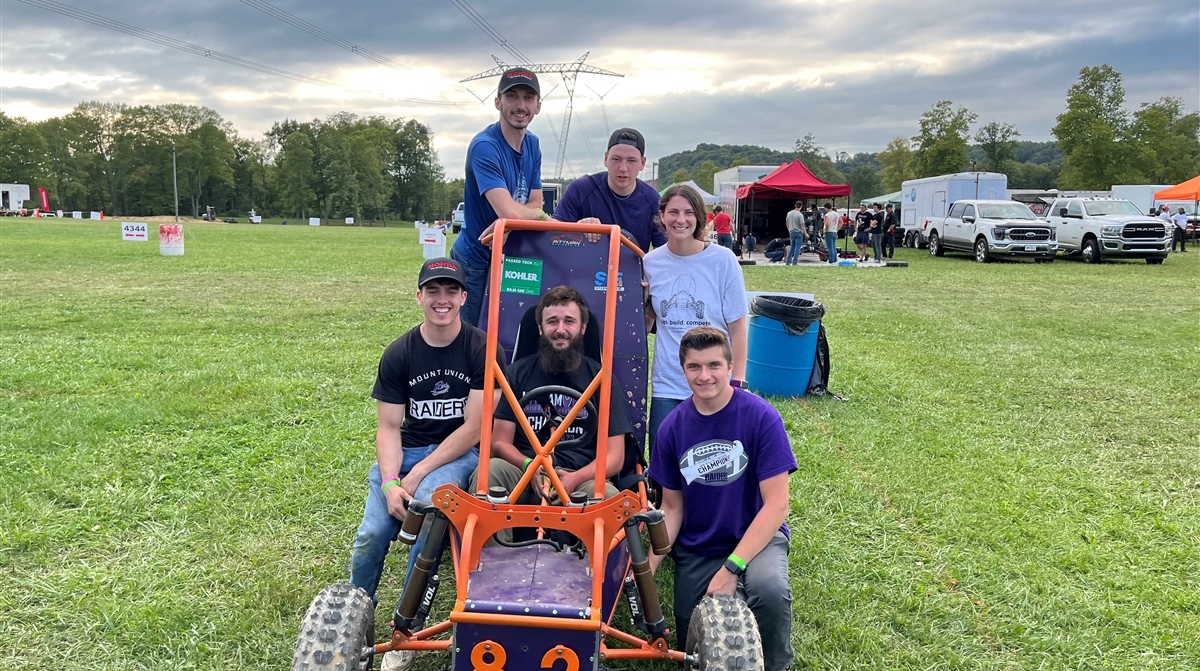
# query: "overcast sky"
855 73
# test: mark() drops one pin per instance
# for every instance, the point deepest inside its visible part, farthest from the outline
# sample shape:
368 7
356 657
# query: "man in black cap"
429 389
617 196
504 179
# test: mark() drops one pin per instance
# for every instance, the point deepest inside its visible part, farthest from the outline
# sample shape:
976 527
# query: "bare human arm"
389 452
503 432
672 508
507 208
737 342
770 517
452 447
613 463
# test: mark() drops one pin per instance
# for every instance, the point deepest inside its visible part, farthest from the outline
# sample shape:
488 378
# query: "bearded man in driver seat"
562 318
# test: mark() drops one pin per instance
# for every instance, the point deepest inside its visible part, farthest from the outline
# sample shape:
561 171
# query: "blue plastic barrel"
777 363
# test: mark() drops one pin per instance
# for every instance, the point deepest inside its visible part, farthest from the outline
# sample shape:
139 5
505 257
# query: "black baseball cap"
441 269
518 77
627 136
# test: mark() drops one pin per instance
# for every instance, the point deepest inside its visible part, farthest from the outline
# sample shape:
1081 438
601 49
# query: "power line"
94 19
271 10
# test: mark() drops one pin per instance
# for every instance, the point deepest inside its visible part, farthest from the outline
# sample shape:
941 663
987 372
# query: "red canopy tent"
791 180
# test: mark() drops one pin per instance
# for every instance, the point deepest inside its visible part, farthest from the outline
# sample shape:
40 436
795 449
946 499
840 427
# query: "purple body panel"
568 258
532 580
524 648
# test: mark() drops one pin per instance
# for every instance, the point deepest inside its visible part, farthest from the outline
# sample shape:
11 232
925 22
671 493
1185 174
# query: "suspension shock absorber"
643 578
419 587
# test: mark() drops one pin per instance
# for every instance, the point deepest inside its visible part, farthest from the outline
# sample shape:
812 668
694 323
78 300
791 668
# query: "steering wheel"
543 396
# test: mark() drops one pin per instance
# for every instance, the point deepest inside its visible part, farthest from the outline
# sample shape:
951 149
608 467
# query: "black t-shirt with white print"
431 382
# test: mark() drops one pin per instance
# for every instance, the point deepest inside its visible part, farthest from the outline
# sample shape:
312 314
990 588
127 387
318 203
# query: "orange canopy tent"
1189 190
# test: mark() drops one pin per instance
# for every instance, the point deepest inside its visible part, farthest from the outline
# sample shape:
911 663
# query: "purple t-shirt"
590 196
718 461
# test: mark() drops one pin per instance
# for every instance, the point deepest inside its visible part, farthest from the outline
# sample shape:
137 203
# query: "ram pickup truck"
1102 228
990 229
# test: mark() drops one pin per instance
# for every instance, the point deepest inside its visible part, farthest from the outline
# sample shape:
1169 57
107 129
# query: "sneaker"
398 660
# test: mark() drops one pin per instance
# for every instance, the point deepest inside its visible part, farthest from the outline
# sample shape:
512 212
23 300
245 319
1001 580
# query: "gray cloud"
765 72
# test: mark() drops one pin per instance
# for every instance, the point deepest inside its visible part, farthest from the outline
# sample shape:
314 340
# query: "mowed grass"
1012 483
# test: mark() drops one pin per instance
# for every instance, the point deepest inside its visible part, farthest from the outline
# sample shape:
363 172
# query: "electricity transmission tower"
569 73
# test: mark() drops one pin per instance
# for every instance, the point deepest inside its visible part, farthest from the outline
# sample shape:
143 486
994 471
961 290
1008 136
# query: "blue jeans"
379 528
877 245
660 407
725 240
831 247
797 238
476 283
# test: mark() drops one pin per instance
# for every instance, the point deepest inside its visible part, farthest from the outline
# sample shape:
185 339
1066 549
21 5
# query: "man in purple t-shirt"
723 459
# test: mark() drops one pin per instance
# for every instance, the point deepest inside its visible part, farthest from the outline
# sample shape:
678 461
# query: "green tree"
297 174
1091 133
942 141
680 175
999 144
897 162
1167 141
98 126
23 154
817 160
703 175
864 182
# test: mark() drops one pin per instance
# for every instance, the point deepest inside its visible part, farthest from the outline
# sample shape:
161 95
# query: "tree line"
118 158
1097 144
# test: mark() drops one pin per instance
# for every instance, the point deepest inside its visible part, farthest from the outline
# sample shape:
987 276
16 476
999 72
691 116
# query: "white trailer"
13 197
922 199
1141 195
726 182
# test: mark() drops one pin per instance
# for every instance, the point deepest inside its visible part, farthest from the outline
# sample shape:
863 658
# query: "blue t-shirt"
491 164
718 461
590 196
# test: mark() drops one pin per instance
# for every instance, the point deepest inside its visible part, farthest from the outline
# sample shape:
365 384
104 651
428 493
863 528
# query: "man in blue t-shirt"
723 459
617 196
504 179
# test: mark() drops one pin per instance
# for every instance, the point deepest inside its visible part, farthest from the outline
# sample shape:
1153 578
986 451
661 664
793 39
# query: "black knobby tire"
339 624
935 245
1091 250
723 635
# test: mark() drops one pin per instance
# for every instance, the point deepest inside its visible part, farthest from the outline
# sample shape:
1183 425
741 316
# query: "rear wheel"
935 245
1091 250
338 627
982 254
723 635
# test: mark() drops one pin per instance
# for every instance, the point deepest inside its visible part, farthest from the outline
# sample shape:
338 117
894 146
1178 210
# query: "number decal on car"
499 657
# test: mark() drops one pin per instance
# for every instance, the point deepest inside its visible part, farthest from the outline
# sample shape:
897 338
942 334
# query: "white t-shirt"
1181 221
833 221
1165 216
705 289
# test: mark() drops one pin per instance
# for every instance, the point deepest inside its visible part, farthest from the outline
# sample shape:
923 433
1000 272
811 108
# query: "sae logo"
602 281
912 194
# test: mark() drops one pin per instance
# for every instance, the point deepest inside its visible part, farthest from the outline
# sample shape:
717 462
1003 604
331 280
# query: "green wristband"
394 482
738 560
525 464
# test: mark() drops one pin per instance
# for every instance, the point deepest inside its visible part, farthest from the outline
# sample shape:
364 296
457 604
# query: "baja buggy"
547 600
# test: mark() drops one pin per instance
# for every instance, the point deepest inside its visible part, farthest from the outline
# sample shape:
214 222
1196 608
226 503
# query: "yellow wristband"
737 560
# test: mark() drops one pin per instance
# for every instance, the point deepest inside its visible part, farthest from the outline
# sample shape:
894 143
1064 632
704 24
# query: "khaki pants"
503 474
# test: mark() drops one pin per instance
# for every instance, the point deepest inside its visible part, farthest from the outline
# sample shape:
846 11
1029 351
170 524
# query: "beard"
560 361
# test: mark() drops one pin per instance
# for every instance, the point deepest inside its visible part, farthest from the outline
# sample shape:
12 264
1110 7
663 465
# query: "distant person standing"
1164 213
722 225
890 222
1181 221
503 180
862 222
796 233
617 196
833 221
876 230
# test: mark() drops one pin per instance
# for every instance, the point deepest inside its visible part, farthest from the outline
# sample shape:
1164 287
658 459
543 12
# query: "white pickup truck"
1102 228
990 229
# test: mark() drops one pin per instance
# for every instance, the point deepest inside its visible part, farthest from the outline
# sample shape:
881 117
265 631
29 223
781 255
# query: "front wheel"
337 632
982 254
935 245
1091 250
724 635
1154 262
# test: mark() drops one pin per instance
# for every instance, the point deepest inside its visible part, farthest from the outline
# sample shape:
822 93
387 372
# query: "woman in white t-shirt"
692 283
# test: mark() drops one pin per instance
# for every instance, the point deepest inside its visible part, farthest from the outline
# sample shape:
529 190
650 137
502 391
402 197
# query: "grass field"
1013 482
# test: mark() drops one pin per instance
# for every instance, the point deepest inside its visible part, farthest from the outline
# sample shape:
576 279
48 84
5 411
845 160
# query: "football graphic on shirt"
715 463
